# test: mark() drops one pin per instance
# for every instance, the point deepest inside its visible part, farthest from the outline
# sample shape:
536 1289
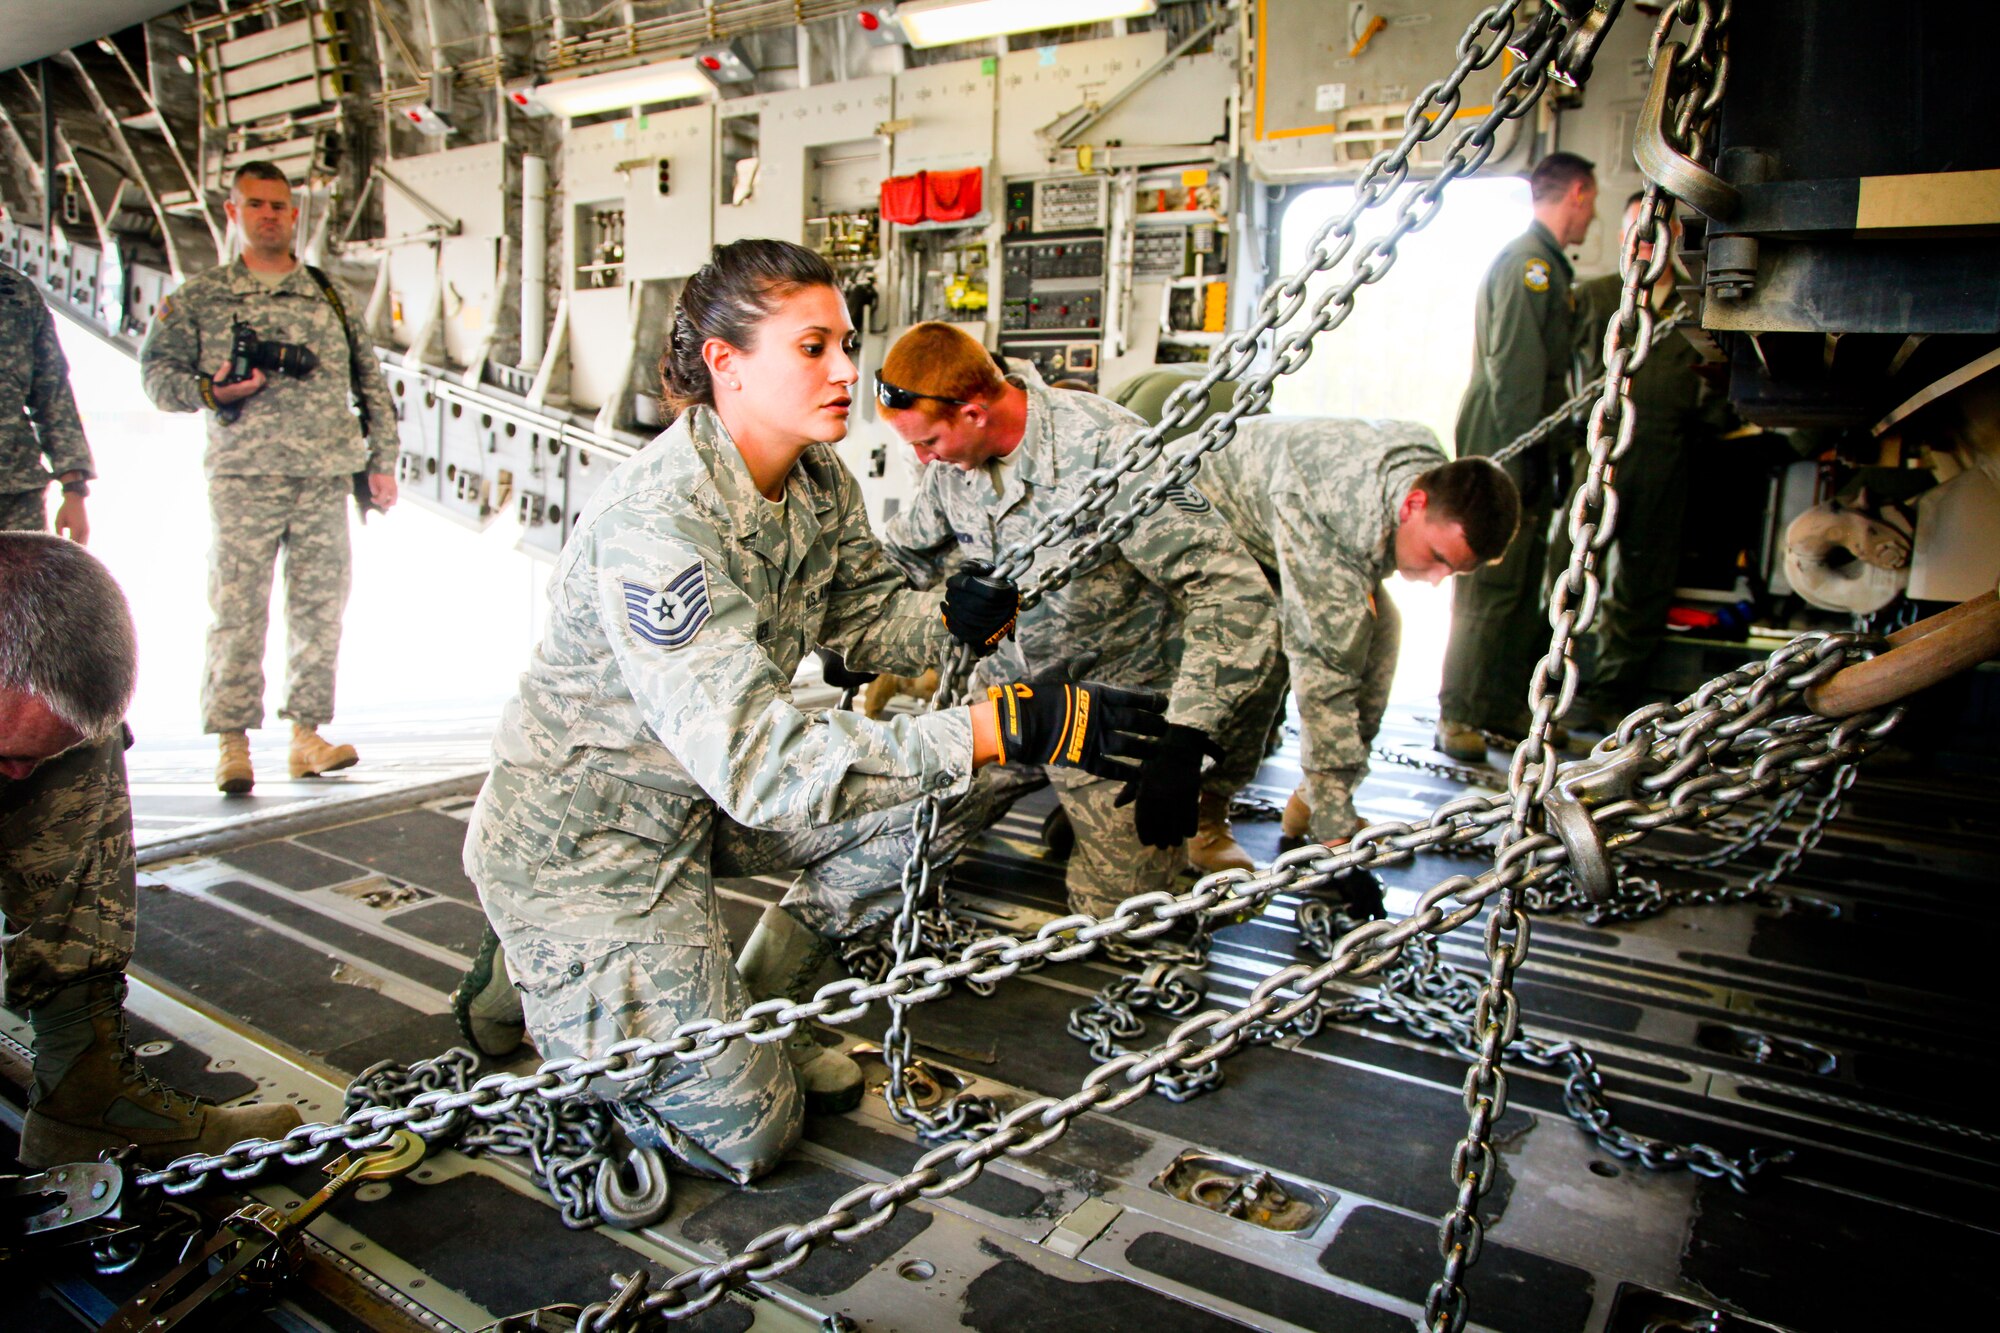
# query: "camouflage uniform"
1315 500
66 872
279 478
40 436
1177 606
1520 373
654 745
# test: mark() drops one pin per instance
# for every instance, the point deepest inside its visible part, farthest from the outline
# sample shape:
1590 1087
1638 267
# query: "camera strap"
332 295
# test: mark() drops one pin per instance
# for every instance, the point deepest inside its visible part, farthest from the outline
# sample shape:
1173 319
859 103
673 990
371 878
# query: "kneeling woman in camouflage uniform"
654 742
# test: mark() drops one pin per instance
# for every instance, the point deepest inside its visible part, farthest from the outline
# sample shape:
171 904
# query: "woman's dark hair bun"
733 293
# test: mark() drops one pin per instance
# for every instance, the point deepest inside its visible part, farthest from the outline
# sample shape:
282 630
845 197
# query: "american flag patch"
669 617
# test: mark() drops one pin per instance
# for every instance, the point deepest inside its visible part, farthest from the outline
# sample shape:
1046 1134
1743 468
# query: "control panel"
1159 252
1044 284
1058 360
1077 203
1077 308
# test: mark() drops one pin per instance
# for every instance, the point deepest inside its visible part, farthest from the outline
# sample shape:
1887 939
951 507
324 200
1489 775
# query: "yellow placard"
1194 176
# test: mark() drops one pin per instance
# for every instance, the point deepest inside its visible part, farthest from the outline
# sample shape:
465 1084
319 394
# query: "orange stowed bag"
952 196
903 199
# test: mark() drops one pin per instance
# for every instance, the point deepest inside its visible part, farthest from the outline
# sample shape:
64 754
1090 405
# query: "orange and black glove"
1104 730
980 606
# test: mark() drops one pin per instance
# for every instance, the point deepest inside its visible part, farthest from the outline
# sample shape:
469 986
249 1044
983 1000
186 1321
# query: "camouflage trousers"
66 873
1336 733
1108 863
24 511
254 519
733 1116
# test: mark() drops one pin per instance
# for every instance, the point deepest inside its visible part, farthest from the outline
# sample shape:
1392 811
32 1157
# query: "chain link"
564 1143
1770 763
1429 116
1566 413
1729 742
1749 760
1436 1001
1573 599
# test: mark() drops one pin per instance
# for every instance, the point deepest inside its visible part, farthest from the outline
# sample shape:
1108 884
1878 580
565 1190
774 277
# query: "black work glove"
833 669
980 606
1361 892
1101 729
1165 796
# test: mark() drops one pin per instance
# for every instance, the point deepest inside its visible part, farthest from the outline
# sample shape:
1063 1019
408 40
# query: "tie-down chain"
1434 110
1292 991
1525 859
1748 748
1688 82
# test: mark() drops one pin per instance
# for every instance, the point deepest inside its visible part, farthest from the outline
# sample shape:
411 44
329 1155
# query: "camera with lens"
248 352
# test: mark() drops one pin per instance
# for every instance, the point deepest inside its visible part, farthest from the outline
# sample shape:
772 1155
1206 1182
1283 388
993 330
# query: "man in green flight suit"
1675 409
1522 347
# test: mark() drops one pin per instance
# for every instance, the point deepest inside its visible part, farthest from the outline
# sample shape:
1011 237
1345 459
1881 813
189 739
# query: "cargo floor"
288 959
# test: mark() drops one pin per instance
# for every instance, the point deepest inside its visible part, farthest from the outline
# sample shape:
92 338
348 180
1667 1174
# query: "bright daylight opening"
1405 352
439 621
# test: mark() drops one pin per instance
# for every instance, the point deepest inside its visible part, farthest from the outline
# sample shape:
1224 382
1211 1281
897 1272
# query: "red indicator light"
869 19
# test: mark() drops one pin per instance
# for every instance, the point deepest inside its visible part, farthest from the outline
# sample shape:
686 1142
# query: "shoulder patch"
669 617
1183 495
1535 275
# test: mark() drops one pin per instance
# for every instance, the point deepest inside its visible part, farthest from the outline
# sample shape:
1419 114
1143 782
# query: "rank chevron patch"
669 617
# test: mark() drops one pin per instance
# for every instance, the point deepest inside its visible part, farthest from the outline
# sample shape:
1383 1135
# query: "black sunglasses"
901 400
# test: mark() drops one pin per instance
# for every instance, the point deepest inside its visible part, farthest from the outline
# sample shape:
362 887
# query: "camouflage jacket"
1315 500
40 436
302 427
1177 606
679 610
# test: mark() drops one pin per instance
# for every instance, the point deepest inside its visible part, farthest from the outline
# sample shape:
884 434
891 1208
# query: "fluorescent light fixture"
942 22
667 81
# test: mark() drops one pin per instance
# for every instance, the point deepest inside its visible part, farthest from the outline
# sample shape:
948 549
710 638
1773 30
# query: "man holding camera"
297 407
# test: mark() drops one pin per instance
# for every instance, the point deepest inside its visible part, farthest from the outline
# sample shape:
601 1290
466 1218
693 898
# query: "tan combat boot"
1213 847
1295 825
232 765
1461 741
91 1094
313 754
780 958
877 693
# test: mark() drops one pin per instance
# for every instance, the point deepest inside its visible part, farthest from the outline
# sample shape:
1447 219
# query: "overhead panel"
466 185
789 126
600 345
1323 100
665 165
946 116
1040 84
